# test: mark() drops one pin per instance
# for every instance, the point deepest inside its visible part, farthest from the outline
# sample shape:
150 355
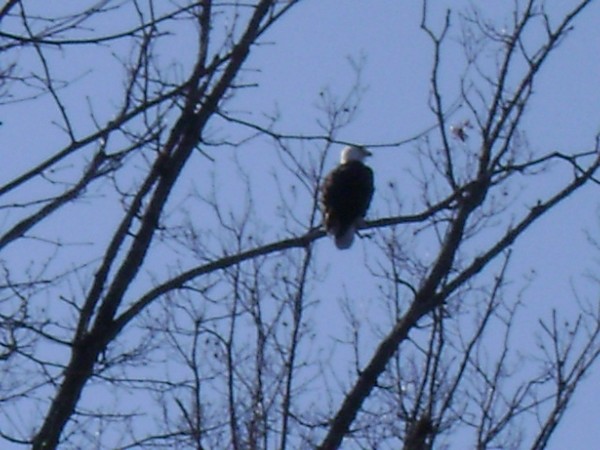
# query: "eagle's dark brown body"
346 195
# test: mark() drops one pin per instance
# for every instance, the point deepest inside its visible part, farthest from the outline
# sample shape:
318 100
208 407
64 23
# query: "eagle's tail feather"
344 238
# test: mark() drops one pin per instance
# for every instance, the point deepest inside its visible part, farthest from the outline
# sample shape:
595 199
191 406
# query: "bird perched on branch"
346 195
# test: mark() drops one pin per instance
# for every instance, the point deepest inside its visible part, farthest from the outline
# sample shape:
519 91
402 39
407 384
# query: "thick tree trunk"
78 372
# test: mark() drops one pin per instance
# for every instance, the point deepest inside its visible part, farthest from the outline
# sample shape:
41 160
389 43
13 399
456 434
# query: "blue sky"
308 52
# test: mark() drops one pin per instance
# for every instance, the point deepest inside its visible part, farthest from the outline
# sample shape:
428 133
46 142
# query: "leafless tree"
144 306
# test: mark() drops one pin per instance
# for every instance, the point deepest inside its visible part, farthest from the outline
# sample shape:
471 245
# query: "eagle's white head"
354 153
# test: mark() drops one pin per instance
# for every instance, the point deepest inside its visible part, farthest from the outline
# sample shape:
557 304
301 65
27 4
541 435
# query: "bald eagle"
346 194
